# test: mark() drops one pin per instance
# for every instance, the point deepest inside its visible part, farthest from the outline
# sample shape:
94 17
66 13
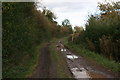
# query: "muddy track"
79 66
43 68
93 69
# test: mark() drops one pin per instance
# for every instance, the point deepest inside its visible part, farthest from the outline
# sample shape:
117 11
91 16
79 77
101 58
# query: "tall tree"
49 14
66 23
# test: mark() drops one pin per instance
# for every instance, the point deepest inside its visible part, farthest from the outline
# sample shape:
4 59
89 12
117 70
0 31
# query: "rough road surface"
83 68
79 66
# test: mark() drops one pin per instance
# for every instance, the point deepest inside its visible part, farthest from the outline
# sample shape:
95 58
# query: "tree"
66 23
78 29
108 7
103 30
49 14
23 26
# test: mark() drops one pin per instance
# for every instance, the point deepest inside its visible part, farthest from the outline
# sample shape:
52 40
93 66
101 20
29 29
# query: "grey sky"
76 11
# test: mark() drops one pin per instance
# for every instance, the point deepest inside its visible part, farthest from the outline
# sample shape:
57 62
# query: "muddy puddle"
79 73
72 57
63 50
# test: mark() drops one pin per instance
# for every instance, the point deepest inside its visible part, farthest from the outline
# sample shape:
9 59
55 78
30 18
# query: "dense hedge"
102 32
23 29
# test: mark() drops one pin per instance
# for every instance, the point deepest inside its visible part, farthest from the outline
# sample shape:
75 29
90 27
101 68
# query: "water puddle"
63 50
79 73
71 57
68 53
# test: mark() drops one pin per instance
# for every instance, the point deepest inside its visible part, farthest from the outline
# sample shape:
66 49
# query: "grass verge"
62 70
34 61
111 64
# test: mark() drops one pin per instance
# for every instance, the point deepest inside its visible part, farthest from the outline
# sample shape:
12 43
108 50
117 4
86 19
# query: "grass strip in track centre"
62 70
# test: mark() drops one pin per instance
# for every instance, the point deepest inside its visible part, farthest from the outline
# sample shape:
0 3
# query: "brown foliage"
91 45
108 48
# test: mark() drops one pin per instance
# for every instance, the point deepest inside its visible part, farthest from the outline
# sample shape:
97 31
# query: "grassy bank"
112 65
34 61
59 62
24 67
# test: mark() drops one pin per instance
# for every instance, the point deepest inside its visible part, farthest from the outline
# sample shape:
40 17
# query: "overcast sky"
76 11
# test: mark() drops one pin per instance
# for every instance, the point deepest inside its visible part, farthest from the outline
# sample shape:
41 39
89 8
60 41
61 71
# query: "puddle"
68 53
63 50
72 57
79 73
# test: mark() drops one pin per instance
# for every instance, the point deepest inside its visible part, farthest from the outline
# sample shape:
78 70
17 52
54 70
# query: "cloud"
74 10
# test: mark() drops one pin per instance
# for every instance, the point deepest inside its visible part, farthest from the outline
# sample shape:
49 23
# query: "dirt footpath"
43 68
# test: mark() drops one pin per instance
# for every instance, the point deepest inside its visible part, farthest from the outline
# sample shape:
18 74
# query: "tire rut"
43 68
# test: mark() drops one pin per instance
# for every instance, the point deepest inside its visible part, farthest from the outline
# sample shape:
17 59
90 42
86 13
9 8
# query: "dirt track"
47 69
47 66
43 68
92 68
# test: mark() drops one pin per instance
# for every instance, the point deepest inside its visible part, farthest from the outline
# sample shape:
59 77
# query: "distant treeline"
102 32
24 28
